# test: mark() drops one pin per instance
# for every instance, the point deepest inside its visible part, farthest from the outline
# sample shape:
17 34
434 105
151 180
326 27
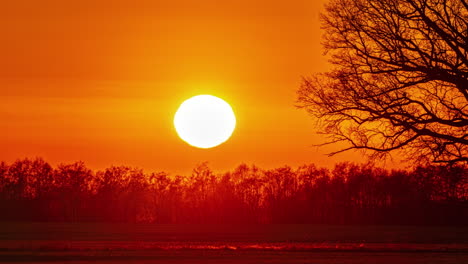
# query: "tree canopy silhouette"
33 190
399 81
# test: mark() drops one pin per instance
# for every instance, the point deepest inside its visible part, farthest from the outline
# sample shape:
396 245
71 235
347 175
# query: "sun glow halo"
204 121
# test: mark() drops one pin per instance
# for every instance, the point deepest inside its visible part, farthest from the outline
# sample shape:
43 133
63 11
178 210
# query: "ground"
147 243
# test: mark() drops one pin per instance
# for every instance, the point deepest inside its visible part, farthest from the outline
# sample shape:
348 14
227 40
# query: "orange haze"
100 82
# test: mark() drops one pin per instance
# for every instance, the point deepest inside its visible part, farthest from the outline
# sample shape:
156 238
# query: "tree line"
33 190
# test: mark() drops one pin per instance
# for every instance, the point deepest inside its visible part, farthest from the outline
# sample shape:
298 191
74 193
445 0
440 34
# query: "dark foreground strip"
222 256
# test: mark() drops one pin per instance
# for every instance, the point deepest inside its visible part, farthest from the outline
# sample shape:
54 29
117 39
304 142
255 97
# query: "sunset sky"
100 82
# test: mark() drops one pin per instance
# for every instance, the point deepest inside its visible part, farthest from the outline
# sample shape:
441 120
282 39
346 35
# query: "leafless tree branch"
400 81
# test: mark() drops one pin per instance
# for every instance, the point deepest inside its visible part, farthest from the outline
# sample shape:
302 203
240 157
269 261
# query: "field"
146 243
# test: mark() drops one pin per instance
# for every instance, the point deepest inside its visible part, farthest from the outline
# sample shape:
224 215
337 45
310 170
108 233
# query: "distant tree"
201 184
3 176
19 180
121 194
399 81
5 187
135 196
73 187
43 182
281 191
163 198
110 186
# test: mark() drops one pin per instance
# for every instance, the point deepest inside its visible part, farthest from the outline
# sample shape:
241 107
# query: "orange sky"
101 82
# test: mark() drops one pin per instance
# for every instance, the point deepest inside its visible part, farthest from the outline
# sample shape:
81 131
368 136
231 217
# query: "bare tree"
399 81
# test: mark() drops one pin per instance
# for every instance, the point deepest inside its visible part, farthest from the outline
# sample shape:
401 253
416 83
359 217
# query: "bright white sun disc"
204 121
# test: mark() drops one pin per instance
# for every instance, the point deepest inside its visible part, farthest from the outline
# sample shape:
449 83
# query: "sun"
204 121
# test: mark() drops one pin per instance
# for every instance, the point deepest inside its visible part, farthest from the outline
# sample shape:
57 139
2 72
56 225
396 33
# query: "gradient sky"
100 82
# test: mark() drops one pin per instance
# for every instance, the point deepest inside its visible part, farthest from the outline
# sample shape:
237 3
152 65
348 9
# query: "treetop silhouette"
400 78
32 190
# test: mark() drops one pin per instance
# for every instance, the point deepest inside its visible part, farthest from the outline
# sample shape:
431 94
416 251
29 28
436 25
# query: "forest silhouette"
33 190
